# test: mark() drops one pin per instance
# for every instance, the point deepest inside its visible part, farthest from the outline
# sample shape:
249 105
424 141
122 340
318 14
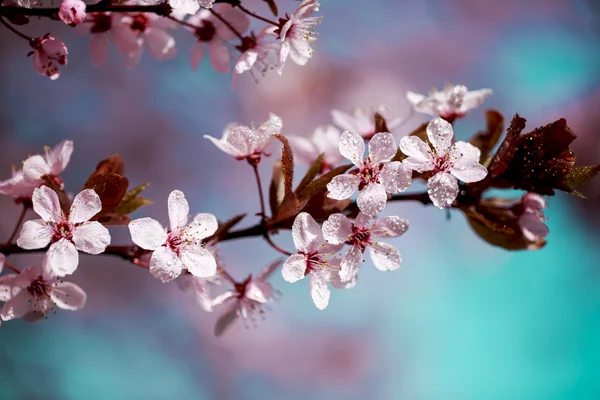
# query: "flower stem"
18 225
252 14
15 31
11 267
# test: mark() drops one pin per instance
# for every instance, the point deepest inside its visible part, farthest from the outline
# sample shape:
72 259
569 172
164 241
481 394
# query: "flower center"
174 241
62 230
139 23
315 262
102 23
248 42
360 236
369 172
206 32
39 288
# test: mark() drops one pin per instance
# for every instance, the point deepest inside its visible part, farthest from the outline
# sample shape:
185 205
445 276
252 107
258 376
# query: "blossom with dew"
364 233
325 140
243 142
150 30
531 217
451 102
213 34
375 177
65 233
33 294
316 258
362 121
297 33
258 53
72 12
181 247
47 52
248 299
447 161
18 187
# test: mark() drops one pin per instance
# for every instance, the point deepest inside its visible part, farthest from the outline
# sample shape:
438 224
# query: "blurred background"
461 319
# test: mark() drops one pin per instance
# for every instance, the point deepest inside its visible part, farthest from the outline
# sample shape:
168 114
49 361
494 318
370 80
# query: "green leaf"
578 176
132 200
311 174
488 139
287 163
319 185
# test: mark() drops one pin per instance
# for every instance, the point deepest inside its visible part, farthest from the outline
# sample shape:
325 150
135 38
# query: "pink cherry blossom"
151 30
182 246
72 12
243 142
213 35
199 288
297 34
531 217
47 51
315 257
362 234
451 102
247 301
362 121
324 140
258 53
106 27
448 161
18 187
376 175
65 233
33 293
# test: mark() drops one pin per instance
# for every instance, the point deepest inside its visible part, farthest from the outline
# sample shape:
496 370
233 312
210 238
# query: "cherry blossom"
213 34
72 12
376 175
33 293
18 187
257 52
451 102
324 140
362 121
151 30
182 246
65 233
448 161
315 257
243 142
52 163
199 288
297 34
531 217
21 3
247 300
47 51
363 234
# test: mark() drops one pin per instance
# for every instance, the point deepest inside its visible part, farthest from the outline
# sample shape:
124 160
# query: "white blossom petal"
294 268
419 154
46 204
372 199
35 167
350 264
382 147
385 256
352 147
63 258
199 261
392 226
337 229
203 225
474 99
68 296
16 307
147 233
533 227
226 319
35 234
342 186
440 133
179 209
467 167
59 156
442 189
8 287
85 205
306 233
319 291
396 177
91 237
165 265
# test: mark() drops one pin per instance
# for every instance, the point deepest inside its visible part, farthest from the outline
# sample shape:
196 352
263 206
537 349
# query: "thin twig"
18 225
11 267
13 30
252 14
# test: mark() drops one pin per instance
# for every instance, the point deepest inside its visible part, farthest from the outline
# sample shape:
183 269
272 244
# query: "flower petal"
179 209
35 167
91 237
165 265
294 268
392 226
68 296
46 204
17 307
396 177
533 227
319 291
86 204
160 44
219 56
467 167
419 154
58 158
227 318
27 275
147 233
99 49
204 225
350 264
382 147
342 186
8 287
474 99
337 228
385 256
197 54
352 146
34 234
63 258
442 189
306 233
371 200
199 261
440 133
